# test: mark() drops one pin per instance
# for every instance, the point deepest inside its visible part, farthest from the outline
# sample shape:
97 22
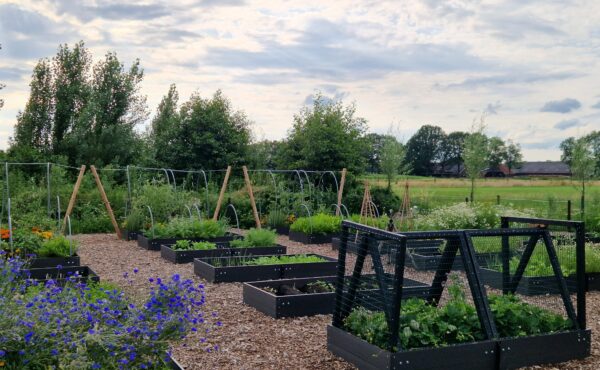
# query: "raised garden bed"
428 258
41 262
292 297
129 235
509 353
230 269
154 244
61 275
303 238
186 256
282 230
413 244
540 285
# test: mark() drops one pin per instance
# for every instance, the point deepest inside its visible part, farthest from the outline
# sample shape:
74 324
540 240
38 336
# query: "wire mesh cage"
393 312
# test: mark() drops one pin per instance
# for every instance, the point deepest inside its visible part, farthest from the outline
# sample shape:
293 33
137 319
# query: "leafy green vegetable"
424 325
320 223
284 259
195 246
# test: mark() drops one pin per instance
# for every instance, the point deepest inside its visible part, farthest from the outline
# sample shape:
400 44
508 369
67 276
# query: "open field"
547 196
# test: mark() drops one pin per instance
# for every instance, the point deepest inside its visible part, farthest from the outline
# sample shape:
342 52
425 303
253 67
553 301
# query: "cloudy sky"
531 66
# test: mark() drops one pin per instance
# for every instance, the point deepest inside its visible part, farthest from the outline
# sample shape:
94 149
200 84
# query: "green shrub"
277 218
256 238
58 246
380 222
320 223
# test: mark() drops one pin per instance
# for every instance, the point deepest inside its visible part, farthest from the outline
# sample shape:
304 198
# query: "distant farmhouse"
530 169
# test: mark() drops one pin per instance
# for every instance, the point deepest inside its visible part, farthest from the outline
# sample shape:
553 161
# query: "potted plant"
317 229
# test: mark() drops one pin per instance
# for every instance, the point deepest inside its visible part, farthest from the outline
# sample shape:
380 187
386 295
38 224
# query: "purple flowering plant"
95 326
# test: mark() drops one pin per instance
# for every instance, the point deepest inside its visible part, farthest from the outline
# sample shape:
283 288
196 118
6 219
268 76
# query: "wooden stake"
340 192
73 197
251 194
106 202
222 194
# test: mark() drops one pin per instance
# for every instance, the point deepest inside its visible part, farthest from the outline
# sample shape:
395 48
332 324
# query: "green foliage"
476 153
392 159
58 246
423 149
256 238
320 286
539 263
162 199
515 318
283 259
205 133
326 136
277 218
135 221
189 228
195 246
424 325
385 200
380 223
82 113
320 223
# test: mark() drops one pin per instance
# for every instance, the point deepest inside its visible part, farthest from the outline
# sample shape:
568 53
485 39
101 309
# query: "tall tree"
71 68
514 157
583 165
326 136
567 146
476 153
163 129
423 149
392 159
374 145
104 132
451 151
211 134
34 124
496 152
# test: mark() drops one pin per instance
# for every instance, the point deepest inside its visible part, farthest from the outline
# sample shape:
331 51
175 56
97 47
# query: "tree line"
79 112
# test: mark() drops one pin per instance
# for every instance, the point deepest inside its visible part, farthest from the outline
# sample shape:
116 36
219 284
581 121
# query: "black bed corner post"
581 279
397 296
505 257
341 271
472 270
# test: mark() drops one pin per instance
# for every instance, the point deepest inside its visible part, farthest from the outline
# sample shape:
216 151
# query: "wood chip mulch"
249 339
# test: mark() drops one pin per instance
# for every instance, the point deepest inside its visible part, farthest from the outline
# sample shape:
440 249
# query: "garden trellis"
311 187
384 320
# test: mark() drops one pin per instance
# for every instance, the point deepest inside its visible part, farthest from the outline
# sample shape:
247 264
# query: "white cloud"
412 62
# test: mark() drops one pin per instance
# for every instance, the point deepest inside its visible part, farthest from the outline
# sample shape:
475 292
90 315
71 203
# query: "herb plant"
256 238
189 228
58 246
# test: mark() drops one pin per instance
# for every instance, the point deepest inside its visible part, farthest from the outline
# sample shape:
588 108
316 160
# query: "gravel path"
248 339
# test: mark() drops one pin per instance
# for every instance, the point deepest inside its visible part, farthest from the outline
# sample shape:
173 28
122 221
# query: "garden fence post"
251 194
340 192
569 209
106 202
73 197
498 199
48 182
222 194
